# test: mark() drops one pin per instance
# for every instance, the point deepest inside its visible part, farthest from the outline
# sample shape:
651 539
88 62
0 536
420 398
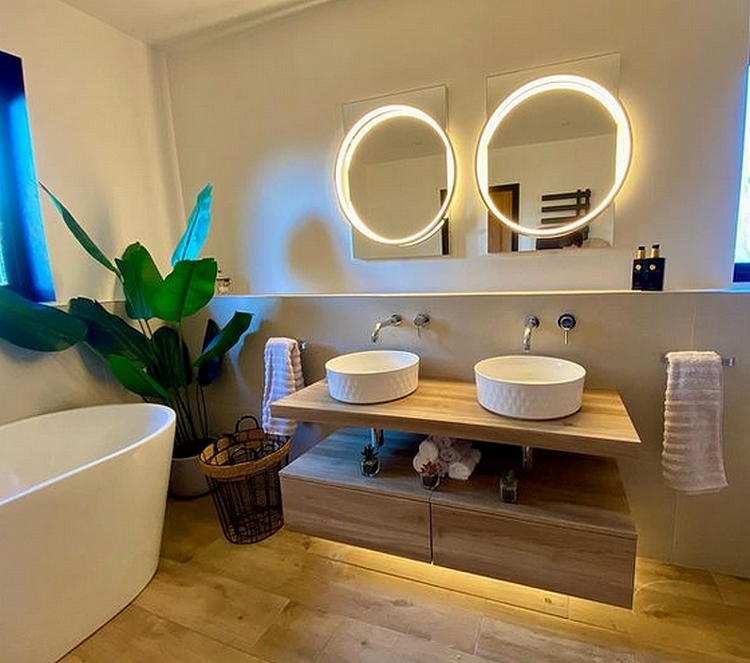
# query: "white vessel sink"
529 386
374 376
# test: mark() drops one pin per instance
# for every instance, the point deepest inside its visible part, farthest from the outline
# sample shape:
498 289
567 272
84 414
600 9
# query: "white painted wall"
102 140
102 137
259 113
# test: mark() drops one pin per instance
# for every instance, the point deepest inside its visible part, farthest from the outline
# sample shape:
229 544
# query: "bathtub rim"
165 409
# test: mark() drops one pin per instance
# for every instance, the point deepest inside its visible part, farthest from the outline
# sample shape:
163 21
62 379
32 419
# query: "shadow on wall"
312 256
291 220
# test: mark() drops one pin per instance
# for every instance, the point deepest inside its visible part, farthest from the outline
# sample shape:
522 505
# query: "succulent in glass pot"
370 465
429 475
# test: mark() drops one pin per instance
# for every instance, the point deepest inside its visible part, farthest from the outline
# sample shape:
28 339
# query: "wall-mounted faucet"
532 322
394 321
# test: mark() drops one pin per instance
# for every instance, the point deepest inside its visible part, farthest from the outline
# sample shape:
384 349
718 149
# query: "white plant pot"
186 479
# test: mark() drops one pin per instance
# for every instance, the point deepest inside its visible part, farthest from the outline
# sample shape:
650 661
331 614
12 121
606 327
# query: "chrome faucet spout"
394 321
532 322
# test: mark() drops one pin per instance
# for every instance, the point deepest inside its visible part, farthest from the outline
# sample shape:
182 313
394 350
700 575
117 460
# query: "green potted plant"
509 487
370 465
147 353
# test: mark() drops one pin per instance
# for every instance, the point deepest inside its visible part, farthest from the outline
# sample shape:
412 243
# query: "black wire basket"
242 470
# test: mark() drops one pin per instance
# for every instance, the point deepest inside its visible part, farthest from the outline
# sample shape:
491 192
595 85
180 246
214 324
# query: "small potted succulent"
509 487
429 475
370 461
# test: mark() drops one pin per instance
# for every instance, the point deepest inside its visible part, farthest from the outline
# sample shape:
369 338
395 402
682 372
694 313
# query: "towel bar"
725 361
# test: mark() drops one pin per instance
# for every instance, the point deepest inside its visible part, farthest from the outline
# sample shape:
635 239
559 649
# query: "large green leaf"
79 233
186 290
227 338
141 281
189 247
172 367
133 376
109 334
209 370
35 326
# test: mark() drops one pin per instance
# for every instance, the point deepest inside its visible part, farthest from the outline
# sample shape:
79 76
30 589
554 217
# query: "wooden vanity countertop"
602 427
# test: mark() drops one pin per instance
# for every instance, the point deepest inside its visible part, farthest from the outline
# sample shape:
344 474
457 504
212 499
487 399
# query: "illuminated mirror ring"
565 82
345 156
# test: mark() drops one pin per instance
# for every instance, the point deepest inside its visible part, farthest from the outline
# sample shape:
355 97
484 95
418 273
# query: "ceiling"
166 22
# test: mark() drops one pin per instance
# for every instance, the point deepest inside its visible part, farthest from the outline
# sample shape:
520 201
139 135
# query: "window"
742 248
24 263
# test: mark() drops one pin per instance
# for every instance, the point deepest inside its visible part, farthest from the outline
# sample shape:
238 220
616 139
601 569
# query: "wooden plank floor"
297 599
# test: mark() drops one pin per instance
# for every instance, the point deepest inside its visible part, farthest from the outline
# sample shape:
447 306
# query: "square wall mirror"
553 158
397 177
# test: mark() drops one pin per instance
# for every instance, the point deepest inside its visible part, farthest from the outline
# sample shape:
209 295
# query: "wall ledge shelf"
602 427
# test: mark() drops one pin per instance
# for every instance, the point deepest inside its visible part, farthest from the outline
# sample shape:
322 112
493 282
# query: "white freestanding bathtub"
82 500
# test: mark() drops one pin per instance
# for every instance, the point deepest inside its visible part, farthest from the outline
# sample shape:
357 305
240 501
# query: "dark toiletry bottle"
653 271
640 255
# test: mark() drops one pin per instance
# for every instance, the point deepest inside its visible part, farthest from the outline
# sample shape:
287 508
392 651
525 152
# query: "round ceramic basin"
529 386
374 376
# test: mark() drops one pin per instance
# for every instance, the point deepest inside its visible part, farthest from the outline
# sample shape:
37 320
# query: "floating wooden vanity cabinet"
326 495
571 531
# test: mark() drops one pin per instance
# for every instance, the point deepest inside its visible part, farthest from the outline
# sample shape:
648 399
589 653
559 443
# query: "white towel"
441 441
475 455
456 451
428 450
692 460
283 376
462 469
442 468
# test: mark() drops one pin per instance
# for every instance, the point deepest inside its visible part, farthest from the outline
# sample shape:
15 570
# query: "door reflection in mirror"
552 145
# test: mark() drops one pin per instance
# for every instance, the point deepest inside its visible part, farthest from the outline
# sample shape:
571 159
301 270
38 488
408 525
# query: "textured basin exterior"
374 376
529 386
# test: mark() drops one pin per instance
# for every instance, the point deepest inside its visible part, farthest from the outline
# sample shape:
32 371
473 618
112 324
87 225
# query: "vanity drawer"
591 564
381 522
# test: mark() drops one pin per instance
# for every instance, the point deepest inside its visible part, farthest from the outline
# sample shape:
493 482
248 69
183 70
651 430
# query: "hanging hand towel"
283 376
692 460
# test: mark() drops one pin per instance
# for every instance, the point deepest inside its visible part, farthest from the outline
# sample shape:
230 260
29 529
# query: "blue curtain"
24 262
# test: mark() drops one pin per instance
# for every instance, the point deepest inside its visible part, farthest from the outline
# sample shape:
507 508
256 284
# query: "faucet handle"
566 322
532 321
421 320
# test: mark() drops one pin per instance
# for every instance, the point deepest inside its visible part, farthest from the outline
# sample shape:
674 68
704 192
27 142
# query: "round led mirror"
550 111
395 175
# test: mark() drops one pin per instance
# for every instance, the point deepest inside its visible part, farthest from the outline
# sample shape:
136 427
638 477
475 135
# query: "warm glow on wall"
564 82
346 153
